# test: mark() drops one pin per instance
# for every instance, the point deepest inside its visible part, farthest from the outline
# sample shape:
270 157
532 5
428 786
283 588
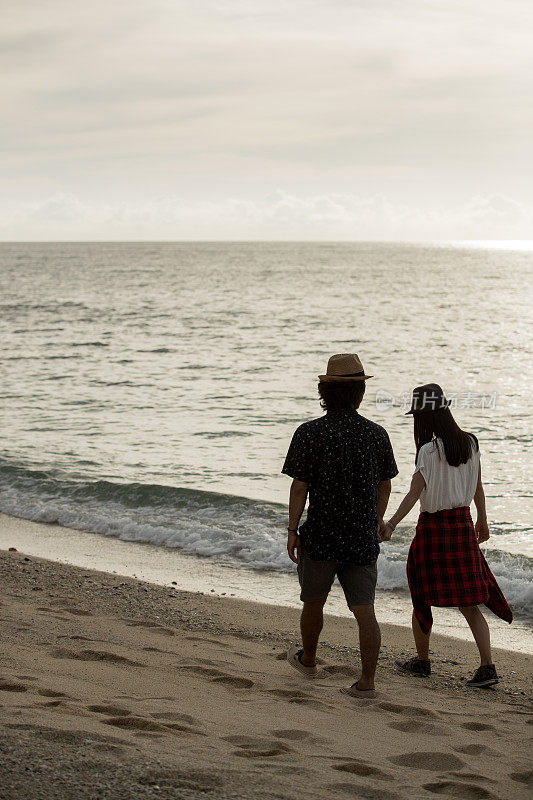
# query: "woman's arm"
417 485
481 526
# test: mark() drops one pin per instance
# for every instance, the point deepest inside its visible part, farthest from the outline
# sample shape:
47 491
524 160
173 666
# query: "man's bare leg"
369 644
311 623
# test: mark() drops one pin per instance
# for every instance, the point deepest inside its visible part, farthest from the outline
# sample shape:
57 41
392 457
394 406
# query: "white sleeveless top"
446 486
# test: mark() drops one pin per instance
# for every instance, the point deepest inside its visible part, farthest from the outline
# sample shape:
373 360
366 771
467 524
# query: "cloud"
342 103
278 216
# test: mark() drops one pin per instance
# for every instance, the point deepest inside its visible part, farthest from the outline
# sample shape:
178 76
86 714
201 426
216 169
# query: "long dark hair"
458 444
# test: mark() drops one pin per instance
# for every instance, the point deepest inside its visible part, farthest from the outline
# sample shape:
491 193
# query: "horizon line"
272 241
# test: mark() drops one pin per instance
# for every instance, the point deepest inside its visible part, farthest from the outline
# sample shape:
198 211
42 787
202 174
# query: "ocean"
150 390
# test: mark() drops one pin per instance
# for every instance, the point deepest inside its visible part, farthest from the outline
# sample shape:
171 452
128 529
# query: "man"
345 464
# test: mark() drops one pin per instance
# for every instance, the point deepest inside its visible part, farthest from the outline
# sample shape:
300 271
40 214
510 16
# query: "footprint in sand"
477 726
173 716
50 693
142 724
523 777
461 791
469 776
363 769
219 677
475 750
115 711
433 761
12 686
177 721
252 747
298 697
94 655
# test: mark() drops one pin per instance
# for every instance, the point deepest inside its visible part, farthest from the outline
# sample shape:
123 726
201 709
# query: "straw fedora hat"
344 367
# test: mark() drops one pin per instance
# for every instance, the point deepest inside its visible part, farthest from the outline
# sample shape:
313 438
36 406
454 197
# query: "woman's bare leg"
421 640
480 629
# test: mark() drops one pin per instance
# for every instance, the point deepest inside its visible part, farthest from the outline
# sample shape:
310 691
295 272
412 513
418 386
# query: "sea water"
150 390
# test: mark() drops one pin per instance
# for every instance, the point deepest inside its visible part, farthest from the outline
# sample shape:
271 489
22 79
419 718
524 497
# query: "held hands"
482 530
384 531
293 547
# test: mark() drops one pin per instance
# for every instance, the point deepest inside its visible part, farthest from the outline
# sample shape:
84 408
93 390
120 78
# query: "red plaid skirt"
445 567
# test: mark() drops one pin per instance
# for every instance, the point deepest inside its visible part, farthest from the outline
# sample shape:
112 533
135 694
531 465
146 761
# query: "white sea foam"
230 530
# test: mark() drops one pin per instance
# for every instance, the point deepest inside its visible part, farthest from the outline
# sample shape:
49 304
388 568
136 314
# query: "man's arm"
297 500
384 489
481 526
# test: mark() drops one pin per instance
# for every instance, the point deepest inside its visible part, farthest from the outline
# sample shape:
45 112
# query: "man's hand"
384 531
482 530
293 547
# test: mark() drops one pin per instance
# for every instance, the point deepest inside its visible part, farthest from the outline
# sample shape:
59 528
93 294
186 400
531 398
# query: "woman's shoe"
483 677
415 666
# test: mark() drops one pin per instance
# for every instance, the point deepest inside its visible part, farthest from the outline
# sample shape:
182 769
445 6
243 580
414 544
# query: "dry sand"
114 688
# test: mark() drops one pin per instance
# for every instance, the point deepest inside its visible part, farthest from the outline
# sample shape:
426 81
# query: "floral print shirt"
342 457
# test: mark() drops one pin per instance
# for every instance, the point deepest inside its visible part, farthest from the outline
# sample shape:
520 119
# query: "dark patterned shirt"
341 457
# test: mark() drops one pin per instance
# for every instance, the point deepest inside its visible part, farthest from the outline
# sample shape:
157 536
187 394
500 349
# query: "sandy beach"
115 688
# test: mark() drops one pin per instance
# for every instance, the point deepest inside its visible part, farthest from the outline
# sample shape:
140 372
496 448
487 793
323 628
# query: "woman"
445 566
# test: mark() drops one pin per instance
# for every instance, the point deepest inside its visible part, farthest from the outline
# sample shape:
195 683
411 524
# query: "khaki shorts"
316 578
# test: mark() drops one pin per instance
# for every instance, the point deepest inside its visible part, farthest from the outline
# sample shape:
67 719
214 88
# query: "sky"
266 119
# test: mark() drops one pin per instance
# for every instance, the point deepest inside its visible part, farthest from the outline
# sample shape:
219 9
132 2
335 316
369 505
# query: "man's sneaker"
415 666
484 676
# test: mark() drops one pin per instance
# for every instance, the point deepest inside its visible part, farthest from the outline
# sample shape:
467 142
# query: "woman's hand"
482 530
293 547
384 531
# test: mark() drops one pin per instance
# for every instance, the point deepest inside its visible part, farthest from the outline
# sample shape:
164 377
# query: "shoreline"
134 688
167 567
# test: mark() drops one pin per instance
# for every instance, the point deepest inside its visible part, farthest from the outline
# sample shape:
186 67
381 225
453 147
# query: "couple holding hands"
344 463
